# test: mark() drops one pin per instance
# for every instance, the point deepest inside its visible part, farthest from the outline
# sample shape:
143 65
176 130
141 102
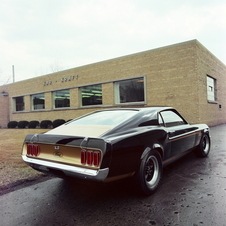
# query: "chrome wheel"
204 147
206 144
152 172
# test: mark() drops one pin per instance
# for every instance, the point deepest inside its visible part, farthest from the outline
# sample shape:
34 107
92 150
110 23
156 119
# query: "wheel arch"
206 131
156 147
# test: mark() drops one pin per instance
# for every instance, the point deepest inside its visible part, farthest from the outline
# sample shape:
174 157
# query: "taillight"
83 157
33 149
96 158
90 158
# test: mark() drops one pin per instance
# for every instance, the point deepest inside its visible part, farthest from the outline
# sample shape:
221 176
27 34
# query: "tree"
4 79
56 66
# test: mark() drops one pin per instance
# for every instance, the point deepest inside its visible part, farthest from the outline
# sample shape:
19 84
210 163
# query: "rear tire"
204 147
150 173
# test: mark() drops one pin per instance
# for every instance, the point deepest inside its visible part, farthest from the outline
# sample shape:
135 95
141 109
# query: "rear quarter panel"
127 149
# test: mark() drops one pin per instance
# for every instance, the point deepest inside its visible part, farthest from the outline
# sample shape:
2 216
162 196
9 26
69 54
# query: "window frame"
15 104
82 101
211 94
32 102
55 99
172 123
117 99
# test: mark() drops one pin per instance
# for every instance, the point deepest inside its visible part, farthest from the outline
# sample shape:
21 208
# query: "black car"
112 144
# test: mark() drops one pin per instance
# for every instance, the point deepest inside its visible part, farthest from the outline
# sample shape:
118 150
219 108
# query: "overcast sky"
43 36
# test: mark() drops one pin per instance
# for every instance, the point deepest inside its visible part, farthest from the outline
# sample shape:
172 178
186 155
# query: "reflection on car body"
112 144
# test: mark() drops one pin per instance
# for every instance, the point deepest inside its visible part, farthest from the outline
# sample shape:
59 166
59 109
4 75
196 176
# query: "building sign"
64 79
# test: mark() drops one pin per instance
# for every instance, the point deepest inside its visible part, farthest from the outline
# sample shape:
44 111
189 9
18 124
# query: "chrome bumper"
74 171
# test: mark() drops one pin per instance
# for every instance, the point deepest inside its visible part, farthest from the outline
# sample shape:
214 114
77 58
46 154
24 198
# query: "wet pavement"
192 193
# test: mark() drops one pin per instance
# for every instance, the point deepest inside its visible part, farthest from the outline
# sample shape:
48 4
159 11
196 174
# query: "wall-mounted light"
5 94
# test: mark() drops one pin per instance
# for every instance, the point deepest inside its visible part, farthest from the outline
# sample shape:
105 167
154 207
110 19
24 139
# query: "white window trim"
53 99
117 95
211 89
32 102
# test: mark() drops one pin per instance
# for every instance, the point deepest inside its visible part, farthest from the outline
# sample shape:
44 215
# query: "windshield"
108 118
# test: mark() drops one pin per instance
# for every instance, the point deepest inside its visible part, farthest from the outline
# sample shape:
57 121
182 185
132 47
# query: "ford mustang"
112 144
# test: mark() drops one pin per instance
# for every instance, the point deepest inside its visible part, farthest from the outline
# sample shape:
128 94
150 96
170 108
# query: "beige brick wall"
4 110
209 65
48 101
174 76
108 90
27 103
172 82
74 98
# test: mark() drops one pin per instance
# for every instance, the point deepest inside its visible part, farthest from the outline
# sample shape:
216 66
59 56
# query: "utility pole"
13 73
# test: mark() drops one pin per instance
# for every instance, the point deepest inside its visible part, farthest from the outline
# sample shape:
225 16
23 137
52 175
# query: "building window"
38 101
91 95
61 98
19 103
211 89
128 91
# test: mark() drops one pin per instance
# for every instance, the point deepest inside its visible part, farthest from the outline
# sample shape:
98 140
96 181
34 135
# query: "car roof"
157 108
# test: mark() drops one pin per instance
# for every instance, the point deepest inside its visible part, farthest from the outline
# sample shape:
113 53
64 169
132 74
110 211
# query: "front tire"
204 147
150 173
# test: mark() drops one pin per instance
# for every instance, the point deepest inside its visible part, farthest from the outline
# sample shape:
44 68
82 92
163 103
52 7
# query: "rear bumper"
68 170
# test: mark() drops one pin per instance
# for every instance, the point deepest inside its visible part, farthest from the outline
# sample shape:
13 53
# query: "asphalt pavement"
192 193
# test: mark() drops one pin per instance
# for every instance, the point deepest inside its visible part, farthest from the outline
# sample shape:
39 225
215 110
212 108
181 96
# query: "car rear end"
80 157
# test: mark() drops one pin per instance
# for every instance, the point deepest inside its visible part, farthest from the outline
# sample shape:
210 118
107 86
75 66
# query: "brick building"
185 76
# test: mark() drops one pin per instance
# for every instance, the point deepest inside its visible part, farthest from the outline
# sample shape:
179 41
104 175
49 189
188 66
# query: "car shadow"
125 187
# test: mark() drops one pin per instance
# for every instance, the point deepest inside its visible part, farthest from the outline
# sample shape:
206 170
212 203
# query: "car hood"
81 130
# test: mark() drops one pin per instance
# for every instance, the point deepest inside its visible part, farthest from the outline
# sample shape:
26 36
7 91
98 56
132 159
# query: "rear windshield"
108 118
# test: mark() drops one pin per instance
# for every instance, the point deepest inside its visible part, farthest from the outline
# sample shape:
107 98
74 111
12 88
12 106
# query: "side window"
171 118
